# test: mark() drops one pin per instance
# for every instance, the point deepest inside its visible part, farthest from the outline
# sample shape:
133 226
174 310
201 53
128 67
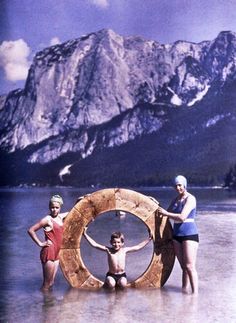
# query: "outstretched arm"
140 245
92 242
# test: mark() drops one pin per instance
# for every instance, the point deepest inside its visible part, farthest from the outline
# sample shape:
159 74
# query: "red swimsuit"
55 236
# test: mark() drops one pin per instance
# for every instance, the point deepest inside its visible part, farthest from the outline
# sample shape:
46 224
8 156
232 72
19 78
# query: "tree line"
230 178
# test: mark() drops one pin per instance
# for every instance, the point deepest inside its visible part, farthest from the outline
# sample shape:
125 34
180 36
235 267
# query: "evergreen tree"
230 178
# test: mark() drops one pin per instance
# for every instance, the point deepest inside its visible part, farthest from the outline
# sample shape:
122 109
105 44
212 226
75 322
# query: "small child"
116 254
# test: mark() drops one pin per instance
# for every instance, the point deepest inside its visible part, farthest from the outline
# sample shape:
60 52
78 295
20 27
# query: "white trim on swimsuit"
185 221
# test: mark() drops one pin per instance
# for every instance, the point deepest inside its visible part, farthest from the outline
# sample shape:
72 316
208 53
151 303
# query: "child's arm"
140 245
92 242
32 232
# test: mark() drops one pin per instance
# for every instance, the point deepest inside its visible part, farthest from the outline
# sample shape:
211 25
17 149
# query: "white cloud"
14 59
100 3
54 41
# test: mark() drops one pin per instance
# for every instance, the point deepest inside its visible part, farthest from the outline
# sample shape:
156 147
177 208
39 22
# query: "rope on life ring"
112 199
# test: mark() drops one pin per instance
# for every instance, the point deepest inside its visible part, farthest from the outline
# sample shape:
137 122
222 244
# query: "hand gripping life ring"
112 199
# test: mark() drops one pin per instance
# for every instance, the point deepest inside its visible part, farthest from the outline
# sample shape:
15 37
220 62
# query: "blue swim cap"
181 180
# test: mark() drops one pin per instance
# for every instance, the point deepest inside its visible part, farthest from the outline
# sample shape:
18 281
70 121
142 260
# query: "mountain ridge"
102 91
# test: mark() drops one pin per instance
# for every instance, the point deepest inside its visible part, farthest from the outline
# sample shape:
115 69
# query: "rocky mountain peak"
221 53
77 88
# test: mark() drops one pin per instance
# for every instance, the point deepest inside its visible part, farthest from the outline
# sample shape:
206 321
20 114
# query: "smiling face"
117 243
54 208
180 189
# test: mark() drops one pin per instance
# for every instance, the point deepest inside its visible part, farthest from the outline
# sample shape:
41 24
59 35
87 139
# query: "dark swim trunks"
193 237
117 277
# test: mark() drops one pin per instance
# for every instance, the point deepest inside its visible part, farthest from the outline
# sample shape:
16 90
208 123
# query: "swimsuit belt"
187 220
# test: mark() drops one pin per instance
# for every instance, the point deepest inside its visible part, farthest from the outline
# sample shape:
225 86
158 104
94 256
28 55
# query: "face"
180 189
116 243
54 208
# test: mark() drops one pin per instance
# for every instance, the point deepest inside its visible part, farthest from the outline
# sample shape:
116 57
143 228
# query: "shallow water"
21 276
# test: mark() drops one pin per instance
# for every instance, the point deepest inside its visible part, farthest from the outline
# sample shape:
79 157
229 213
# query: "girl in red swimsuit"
53 230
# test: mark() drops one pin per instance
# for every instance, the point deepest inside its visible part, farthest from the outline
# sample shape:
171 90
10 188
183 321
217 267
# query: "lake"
21 273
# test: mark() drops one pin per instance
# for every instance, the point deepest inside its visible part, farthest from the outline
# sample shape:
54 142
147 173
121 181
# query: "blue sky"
27 26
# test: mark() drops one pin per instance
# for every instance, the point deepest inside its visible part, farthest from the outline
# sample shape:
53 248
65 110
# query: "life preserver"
91 206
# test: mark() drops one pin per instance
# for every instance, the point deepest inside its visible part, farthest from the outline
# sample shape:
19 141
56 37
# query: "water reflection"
150 305
21 273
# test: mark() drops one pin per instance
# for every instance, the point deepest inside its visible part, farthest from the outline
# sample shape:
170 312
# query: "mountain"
110 110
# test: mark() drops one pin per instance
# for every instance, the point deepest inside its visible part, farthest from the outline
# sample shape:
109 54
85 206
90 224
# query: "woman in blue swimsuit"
183 210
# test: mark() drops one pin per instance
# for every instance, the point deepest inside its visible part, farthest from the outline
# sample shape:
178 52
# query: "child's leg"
56 265
48 274
110 282
122 282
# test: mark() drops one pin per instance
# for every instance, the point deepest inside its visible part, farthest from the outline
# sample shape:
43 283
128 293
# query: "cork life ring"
113 199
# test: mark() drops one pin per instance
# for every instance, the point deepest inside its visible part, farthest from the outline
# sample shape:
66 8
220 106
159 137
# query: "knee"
122 282
110 282
190 268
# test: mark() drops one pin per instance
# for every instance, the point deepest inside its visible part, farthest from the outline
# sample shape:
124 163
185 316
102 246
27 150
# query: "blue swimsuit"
186 230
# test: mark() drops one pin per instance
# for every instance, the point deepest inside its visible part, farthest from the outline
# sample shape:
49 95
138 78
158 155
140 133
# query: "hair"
56 198
118 235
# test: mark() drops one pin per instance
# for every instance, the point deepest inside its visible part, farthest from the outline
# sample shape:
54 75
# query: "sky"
28 26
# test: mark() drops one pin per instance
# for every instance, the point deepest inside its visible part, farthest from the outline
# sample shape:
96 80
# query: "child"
52 225
116 254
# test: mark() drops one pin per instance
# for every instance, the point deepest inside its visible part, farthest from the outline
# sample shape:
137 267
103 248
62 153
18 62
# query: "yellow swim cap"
56 198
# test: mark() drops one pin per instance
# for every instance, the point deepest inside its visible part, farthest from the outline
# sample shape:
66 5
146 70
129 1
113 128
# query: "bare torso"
116 260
